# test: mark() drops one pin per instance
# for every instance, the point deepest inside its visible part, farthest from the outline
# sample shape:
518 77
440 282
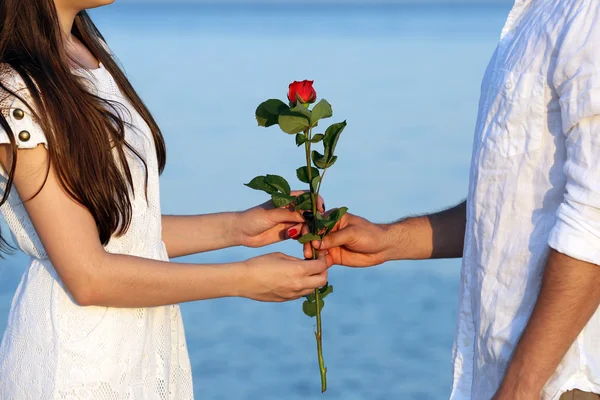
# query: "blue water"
407 80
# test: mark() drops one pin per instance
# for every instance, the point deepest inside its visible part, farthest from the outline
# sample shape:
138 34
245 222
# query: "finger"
314 267
320 201
307 246
303 231
316 281
306 292
281 231
329 258
335 239
307 250
320 204
286 257
285 215
294 231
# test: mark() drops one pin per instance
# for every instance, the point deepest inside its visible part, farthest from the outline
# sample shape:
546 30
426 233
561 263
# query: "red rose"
302 92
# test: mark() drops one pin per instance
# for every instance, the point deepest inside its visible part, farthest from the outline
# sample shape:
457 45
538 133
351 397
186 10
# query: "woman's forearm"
127 281
190 234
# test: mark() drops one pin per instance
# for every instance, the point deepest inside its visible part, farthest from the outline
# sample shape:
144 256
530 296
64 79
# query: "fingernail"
324 207
293 232
308 215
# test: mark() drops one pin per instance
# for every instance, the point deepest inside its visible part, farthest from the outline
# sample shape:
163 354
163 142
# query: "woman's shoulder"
16 107
12 87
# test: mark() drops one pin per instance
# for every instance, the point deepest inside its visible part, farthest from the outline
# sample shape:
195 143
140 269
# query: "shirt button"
509 85
24 136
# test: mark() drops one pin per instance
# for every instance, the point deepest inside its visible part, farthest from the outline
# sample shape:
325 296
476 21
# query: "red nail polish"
293 233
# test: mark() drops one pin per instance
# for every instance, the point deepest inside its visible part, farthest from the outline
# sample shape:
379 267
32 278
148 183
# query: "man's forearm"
191 234
569 296
439 235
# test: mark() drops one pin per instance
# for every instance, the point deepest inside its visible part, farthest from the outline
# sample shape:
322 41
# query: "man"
529 232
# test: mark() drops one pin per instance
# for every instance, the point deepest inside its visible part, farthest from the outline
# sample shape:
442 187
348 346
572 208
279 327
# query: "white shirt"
55 349
534 184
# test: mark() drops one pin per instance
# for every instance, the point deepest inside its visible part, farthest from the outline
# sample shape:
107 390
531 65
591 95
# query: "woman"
95 315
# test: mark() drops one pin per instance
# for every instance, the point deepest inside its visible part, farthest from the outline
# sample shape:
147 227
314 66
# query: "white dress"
55 349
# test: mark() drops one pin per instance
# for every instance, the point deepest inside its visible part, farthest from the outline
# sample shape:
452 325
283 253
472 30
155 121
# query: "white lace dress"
55 349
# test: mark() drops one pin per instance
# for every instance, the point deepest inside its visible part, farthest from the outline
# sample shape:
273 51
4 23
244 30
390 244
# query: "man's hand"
356 242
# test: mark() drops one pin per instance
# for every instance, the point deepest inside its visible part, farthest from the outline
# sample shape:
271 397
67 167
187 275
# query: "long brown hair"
81 128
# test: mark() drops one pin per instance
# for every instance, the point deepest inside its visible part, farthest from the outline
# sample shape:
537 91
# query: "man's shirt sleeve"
577 82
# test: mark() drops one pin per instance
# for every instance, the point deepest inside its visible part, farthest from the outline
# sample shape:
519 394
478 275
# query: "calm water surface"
407 80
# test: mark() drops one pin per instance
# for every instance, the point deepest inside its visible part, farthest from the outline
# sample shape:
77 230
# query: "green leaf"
338 213
309 237
304 206
321 110
310 307
303 197
300 139
319 160
331 161
325 291
327 224
304 202
259 183
317 138
282 200
267 113
302 173
332 219
315 183
300 108
278 183
332 134
293 122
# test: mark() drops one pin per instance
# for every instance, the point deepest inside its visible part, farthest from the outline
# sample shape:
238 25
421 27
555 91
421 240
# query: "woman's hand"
264 224
278 277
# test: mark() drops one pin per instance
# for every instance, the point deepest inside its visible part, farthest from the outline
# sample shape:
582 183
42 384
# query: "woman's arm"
94 277
256 227
191 234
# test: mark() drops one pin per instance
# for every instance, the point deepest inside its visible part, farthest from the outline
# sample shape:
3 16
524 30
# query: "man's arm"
569 296
437 235
357 242
447 232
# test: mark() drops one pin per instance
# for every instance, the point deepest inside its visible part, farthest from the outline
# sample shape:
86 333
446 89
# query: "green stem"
315 254
321 182
319 337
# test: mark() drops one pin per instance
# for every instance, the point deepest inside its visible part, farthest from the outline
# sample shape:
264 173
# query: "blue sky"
319 1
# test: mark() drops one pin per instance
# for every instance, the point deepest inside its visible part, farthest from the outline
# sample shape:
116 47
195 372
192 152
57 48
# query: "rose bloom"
302 92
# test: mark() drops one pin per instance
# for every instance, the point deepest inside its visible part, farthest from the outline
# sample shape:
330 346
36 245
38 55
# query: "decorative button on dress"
52 347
